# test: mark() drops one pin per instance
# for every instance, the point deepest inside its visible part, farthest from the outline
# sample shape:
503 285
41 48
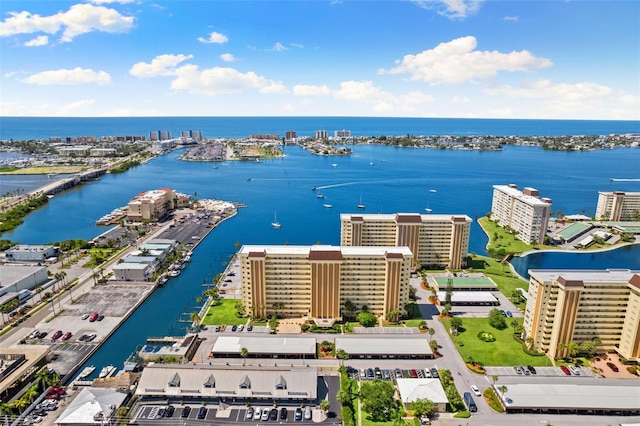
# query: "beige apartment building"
577 305
155 204
524 211
434 239
314 282
618 206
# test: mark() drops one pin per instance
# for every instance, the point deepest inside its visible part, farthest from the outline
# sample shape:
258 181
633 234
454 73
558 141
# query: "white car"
475 390
249 415
257 414
307 413
574 370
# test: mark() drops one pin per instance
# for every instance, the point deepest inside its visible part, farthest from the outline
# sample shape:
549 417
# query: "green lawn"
224 313
505 243
504 351
413 322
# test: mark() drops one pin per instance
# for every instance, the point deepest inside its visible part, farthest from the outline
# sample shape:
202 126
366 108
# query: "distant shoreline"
598 250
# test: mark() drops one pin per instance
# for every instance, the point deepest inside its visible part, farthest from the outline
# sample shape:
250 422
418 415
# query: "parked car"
57 335
504 314
283 413
234 328
509 314
298 414
531 369
519 369
273 414
307 413
363 373
42 335
565 370
613 367
475 390
249 327
202 413
427 373
185 412
100 318
434 373
257 414
525 370
169 411
240 327
377 372
34 334
94 316
398 373
217 328
370 373
249 414
90 337
265 415
414 374
574 370
67 335
386 374
85 316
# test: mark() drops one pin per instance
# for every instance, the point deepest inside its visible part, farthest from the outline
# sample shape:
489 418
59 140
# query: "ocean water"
41 128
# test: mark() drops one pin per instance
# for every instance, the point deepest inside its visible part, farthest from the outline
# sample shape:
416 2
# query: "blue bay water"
462 181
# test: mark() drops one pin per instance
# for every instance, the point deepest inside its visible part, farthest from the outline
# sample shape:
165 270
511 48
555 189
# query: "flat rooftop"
267 345
573 230
468 282
390 346
588 275
345 250
581 393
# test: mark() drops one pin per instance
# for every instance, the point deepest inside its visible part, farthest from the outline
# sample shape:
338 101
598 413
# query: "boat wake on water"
625 179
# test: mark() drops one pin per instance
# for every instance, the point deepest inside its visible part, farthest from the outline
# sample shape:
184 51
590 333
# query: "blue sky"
422 58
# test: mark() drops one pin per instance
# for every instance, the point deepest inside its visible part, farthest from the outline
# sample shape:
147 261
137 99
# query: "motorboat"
107 371
327 206
86 372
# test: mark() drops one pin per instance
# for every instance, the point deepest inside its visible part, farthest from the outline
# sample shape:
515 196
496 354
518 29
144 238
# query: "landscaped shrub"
485 336
493 400
462 415
632 369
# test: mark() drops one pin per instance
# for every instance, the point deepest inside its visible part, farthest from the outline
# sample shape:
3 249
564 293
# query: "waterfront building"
290 135
195 135
102 152
132 271
342 134
74 151
159 135
241 384
163 146
19 366
618 206
315 282
155 204
15 279
523 211
30 253
440 240
321 134
92 406
578 305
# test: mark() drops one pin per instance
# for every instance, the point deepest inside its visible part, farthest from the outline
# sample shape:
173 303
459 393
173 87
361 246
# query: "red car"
93 317
56 335
565 370
613 367
66 336
414 374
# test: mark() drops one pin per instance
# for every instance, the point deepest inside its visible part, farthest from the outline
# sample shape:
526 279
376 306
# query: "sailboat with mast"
360 205
275 222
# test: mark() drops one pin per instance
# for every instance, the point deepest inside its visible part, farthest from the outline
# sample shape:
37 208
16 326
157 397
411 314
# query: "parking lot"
372 373
540 371
154 414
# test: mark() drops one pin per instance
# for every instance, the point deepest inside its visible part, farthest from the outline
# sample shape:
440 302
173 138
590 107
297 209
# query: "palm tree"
503 390
325 405
495 378
432 331
195 318
244 352
350 308
573 349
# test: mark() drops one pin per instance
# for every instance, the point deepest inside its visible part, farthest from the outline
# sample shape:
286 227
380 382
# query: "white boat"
174 273
107 371
86 372
428 210
275 222
432 190
187 258
319 196
327 206
360 205
371 162
334 165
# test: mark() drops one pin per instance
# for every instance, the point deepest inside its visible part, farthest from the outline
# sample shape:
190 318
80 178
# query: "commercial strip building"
264 347
30 253
468 298
618 206
155 204
567 395
16 278
250 384
577 305
523 211
434 239
142 263
316 281
392 348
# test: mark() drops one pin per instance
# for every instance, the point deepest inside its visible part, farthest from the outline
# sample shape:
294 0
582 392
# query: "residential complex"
523 211
618 206
578 305
316 281
434 239
155 204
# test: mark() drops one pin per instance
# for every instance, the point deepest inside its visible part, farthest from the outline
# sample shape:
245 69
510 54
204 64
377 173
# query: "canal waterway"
400 180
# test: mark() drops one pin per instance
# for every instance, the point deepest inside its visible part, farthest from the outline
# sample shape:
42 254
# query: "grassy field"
44 170
224 313
504 351
504 240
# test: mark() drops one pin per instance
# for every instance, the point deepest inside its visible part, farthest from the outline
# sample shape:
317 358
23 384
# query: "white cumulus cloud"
38 41
218 80
214 37
79 19
279 47
310 90
74 76
160 65
458 61
228 57
453 9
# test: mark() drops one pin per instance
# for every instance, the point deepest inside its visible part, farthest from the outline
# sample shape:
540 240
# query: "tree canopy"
378 400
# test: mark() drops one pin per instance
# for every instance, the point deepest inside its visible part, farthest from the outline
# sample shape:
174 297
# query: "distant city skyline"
415 58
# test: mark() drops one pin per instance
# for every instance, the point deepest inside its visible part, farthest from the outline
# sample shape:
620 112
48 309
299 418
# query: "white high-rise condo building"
434 239
523 211
618 206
